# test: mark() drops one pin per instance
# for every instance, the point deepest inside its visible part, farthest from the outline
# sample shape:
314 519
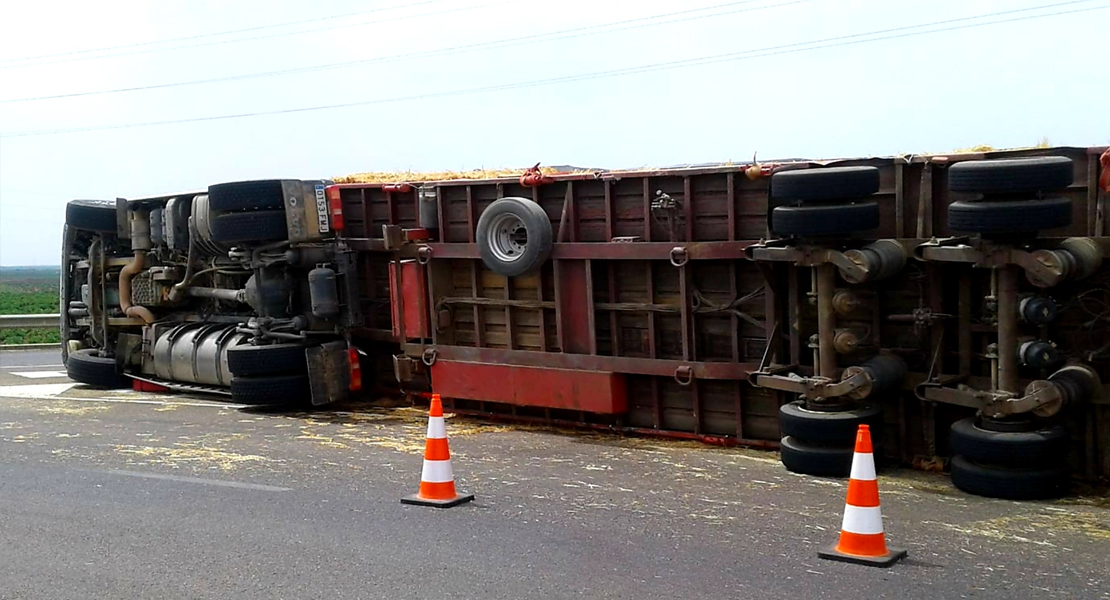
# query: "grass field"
28 291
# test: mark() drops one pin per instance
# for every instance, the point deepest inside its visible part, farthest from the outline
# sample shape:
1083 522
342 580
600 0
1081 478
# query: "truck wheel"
250 226
514 236
248 360
1009 483
84 366
812 459
828 183
244 195
283 389
1011 176
1009 216
94 215
1039 447
839 427
825 219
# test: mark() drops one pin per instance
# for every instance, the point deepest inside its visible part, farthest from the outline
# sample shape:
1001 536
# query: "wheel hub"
510 238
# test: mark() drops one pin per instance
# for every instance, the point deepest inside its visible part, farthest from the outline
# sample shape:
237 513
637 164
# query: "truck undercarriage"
957 304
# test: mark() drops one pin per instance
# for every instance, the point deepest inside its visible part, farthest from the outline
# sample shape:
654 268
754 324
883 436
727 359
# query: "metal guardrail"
29 321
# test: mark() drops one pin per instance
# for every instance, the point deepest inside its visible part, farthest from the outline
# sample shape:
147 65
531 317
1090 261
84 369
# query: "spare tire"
243 195
1009 216
246 360
84 366
514 236
250 226
840 427
1019 448
825 219
94 215
1011 176
826 183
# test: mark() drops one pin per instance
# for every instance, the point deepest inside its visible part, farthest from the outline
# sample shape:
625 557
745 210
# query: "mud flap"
329 373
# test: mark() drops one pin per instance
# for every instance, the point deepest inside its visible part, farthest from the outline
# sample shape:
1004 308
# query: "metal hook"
679 256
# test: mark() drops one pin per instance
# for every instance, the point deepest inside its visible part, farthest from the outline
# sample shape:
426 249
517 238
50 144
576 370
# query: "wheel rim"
509 238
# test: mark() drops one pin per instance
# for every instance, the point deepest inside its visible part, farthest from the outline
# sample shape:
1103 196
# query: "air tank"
323 292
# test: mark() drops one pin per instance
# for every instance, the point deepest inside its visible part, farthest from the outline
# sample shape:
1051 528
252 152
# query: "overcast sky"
1007 84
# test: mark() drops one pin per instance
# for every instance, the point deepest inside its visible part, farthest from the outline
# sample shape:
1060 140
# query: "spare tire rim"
509 238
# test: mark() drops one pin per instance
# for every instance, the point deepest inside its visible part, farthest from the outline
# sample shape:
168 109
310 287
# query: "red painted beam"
592 392
413 297
574 305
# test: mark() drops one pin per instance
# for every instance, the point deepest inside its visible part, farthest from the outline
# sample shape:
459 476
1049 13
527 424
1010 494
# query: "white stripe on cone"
436 428
863 466
437 471
863 520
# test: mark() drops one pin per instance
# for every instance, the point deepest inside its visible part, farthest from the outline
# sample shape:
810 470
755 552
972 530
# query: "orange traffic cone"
861 534
437 480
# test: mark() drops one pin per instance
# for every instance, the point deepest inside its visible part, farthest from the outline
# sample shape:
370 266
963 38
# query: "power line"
833 42
623 25
263 37
219 33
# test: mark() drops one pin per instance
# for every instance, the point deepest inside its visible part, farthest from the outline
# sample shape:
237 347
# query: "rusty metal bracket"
392 237
959 396
877 260
856 384
405 368
1074 258
1042 398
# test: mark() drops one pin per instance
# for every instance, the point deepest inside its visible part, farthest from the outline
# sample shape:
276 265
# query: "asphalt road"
129 495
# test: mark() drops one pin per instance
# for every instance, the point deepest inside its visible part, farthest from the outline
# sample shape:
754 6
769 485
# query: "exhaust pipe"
125 275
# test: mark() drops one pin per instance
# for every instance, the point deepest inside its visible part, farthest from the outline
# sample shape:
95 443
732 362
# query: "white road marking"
50 391
154 402
9 367
40 374
45 391
183 479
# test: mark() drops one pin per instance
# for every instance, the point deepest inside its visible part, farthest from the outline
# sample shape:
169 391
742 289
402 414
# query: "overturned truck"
958 304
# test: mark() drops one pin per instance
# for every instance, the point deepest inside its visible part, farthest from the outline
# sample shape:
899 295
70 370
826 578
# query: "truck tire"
812 459
244 195
514 236
1011 176
94 215
1009 483
827 183
84 366
1009 216
825 219
249 360
250 226
270 390
839 427
1043 446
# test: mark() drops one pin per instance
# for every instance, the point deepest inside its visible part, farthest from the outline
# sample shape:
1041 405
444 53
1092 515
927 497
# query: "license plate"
322 210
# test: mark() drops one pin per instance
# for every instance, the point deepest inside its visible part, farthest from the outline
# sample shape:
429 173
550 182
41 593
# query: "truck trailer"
958 304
